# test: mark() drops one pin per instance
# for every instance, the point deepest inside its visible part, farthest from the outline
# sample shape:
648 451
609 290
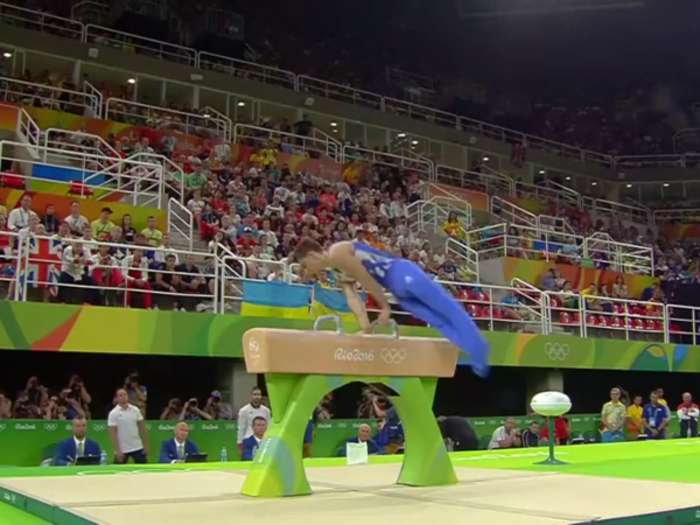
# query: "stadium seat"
12 181
79 189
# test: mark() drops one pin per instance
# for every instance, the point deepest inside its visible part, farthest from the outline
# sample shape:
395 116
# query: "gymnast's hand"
384 316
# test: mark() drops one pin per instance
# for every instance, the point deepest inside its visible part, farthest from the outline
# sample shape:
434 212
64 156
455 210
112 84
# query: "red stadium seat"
12 180
592 320
77 188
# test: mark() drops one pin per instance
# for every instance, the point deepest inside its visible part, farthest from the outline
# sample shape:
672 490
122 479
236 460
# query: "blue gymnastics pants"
429 301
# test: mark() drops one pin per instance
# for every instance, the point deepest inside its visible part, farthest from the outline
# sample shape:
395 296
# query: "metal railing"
84 174
512 213
617 210
75 141
317 144
678 216
207 122
46 96
181 220
489 183
621 257
464 256
166 51
549 191
422 166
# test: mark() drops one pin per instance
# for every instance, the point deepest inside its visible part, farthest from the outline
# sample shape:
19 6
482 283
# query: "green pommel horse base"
301 367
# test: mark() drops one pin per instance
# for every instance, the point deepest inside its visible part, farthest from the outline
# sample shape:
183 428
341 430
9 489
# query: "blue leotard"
376 262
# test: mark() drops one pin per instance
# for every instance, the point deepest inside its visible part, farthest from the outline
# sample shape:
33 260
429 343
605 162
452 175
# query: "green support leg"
278 467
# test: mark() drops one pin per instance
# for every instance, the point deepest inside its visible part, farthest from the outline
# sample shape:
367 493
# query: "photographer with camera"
5 406
173 411
79 393
138 393
29 401
192 412
370 407
217 408
65 406
37 394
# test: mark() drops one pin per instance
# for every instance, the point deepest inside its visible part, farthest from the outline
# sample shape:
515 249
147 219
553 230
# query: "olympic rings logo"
50 426
230 426
556 351
393 356
2 427
99 428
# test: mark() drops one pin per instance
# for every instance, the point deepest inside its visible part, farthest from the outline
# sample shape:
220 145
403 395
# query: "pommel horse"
301 367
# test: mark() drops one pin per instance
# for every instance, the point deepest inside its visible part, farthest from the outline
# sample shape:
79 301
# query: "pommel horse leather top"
335 353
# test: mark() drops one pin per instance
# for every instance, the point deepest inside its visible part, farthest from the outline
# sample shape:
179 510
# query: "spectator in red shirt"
246 241
562 430
324 218
209 223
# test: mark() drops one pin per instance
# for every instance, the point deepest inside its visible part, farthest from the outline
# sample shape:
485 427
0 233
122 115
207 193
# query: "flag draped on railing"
42 266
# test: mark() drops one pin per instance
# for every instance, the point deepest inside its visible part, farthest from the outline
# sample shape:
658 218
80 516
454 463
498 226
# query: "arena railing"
10 257
559 225
77 141
131 43
318 143
48 269
430 214
174 176
618 256
610 318
207 123
549 191
83 174
421 166
96 99
512 213
618 211
28 131
181 221
464 256
247 70
127 42
678 216
46 96
42 22
473 180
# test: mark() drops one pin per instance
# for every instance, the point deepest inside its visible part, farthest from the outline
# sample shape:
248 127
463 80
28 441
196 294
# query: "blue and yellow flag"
327 301
275 299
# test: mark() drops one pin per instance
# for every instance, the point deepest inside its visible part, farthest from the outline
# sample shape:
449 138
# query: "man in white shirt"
505 436
76 221
74 271
248 413
128 431
19 217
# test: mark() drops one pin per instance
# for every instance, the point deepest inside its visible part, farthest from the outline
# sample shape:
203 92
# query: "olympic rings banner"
67 328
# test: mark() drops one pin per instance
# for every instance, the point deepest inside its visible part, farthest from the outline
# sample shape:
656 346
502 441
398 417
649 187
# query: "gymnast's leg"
429 301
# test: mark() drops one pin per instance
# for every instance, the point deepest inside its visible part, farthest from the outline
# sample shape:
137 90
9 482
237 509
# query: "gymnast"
355 262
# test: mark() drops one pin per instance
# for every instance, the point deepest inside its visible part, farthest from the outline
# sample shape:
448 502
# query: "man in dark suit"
457 431
78 445
176 450
249 446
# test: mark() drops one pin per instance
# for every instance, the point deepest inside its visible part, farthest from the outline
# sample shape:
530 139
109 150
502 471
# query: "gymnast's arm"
357 306
342 257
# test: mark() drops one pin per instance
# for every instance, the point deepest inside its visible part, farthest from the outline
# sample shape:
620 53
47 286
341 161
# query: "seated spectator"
569 297
562 430
505 436
153 235
19 217
250 445
102 228
364 435
192 282
589 295
619 290
177 449
209 224
217 408
167 280
127 230
135 271
78 445
688 414
531 435
549 283
50 221
75 220
606 304
106 276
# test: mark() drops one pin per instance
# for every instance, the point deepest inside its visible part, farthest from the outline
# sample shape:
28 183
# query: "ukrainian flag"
327 301
275 299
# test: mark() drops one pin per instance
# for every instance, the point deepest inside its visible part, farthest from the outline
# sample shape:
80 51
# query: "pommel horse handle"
339 325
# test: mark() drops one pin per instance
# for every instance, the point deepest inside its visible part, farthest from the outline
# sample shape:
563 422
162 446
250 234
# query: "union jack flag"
44 264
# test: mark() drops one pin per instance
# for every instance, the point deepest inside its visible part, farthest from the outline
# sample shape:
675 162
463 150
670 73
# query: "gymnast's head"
311 255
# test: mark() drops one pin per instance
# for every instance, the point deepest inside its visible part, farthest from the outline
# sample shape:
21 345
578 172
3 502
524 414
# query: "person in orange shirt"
351 175
635 423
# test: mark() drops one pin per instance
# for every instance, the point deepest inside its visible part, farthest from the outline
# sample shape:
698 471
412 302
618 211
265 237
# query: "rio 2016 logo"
354 355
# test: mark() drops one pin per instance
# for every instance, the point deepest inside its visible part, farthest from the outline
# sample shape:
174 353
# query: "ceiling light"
415 142
241 104
594 183
628 186
401 135
7 54
666 184
131 81
334 124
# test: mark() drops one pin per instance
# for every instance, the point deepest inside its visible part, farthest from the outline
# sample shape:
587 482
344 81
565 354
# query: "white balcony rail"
96 99
678 216
555 224
173 174
27 130
424 167
110 274
247 70
207 122
549 192
463 256
39 21
616 210
47 96
83 174
130 43
93 34
618 256
76 141
181 221
317 144
512 213
484 182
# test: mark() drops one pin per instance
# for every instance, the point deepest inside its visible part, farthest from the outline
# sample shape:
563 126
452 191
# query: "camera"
193 403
